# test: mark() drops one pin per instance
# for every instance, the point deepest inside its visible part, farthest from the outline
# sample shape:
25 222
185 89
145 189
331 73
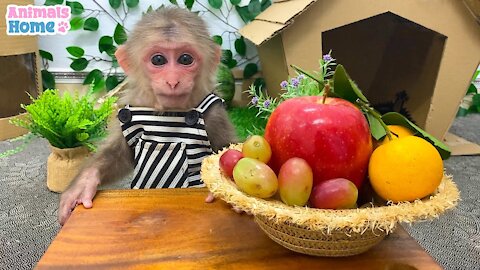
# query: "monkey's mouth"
173 96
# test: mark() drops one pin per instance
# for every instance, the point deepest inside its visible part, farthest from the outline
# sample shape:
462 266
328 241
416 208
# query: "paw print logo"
63 27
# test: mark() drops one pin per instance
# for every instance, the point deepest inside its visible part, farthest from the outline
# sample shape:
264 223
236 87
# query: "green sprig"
67 121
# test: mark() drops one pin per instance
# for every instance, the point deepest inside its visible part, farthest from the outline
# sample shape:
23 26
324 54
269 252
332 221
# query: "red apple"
338 193
228 160
333 137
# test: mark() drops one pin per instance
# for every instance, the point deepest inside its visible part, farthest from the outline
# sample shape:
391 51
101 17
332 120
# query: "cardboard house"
415 56
19 74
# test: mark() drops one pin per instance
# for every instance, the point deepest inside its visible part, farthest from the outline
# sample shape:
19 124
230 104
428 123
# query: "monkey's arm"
220 130
113 160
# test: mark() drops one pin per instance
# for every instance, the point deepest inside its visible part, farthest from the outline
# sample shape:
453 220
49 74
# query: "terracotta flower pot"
63 165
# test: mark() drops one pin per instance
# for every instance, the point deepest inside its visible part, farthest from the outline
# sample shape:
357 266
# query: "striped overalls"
168 146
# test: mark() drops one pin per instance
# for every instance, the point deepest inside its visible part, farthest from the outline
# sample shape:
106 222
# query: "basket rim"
357 220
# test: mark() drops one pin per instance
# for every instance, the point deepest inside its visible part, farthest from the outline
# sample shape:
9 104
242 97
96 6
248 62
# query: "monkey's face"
172 69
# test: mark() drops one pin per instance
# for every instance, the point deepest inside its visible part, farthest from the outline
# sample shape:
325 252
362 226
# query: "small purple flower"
266 104
327 57
301 77
254 100
284 84
295 82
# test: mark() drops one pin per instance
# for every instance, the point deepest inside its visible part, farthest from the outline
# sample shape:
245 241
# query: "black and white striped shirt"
169 146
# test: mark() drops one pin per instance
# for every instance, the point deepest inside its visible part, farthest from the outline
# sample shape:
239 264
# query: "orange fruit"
405 169
397 132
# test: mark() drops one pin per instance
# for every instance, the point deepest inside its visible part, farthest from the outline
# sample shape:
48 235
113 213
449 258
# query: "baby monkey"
170 119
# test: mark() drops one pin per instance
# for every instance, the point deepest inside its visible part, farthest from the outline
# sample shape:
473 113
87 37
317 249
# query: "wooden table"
176 229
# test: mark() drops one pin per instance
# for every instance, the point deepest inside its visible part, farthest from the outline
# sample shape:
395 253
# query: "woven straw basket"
321 232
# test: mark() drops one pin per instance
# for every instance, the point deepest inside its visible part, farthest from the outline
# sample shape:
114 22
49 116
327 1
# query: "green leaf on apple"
376 128
321 84
394 118
344 87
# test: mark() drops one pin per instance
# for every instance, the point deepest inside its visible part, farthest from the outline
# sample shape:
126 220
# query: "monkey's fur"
115 158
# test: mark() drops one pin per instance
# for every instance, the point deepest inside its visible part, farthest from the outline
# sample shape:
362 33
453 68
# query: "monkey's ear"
122 58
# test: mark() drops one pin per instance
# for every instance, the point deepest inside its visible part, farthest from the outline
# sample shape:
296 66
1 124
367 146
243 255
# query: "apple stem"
326 92
366 107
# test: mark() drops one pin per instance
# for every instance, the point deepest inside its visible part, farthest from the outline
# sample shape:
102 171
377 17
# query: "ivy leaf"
174 2
232 63
376 128
111 51
79 64
98 85
226 57
76 8
476 102
46 55
132 3
235 2
48 80
216 4
254 7
119 35
92 76
76 23
115 3
240 46
259 83
189 4
53 2
105 44
75 51
265 4
111 82
250 70
472 89
462 112
91 24
394 118
114 62
244 13
218 39
344 87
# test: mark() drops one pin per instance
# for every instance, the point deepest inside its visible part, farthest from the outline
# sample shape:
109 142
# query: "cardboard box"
412 56
474 7
20 73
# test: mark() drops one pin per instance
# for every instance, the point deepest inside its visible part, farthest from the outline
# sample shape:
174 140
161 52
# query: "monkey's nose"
172 84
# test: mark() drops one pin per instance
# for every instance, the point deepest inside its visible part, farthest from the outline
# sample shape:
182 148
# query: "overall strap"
208 101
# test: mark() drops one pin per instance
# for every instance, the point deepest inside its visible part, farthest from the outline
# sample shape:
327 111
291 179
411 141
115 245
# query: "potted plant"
72 124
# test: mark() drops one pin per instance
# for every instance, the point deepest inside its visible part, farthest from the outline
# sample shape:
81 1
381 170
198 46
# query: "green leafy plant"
67 120
117 11
337 83
471 101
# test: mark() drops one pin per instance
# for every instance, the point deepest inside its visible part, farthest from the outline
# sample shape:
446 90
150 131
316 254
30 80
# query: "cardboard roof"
274 20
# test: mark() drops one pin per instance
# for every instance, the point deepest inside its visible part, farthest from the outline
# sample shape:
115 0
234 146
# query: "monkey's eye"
185 59
158 60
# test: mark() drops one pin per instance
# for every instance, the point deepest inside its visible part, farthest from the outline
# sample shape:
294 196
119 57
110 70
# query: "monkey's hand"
82 191
210 198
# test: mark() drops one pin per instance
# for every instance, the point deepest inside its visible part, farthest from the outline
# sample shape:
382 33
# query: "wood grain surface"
176 229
